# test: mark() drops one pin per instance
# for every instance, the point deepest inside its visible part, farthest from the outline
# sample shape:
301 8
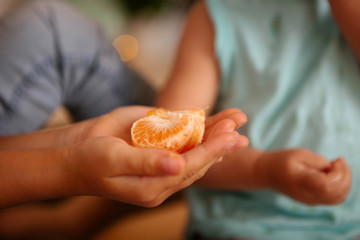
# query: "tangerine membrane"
177 131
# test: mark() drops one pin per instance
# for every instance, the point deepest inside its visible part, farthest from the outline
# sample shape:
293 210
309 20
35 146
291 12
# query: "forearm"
298 173
39 139
181 93
195 78
30 175
347 16
238 171
44 138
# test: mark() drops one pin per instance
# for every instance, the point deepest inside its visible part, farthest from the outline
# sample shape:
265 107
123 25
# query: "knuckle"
110 155
149 165
154 161
143 166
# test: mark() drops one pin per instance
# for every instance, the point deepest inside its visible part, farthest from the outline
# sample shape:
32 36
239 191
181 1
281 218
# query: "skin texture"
346 14
95 158
298 173
193 83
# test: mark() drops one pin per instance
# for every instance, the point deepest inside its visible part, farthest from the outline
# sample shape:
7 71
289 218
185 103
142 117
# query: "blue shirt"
286 65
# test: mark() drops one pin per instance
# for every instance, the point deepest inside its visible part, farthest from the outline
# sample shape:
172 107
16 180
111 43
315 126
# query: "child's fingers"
334 173
173 184
197 162
329 187
340 183
210 151
132 113
224 125
232 113
317 163
228 126
208 154
337 173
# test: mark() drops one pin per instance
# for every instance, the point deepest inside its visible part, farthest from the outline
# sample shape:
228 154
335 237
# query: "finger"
328 187
335 171
210 151
347 174
198 161
227 126
143 191
318 163
232 113
181 184
147 162
341 187
224 125
131 113
119 122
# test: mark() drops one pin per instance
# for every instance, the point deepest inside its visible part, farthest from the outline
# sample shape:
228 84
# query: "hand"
306 176
116 123
110 167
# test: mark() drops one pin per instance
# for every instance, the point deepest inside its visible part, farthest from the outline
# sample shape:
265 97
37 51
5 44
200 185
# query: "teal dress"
286 65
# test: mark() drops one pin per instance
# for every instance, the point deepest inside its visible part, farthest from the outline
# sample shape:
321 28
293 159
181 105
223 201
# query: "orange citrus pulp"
177 131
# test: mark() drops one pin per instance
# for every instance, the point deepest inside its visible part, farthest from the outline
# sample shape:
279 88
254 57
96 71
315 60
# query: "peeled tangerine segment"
177 131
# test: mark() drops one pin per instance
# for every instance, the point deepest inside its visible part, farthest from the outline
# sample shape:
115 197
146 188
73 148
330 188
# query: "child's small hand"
108 166
306 177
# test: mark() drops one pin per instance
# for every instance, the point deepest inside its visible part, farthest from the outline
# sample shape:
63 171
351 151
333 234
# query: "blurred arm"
30 175
238 172
347 15
193 82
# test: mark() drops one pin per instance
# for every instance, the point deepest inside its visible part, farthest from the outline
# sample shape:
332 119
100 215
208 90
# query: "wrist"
73 177
73 133
57 180
263 168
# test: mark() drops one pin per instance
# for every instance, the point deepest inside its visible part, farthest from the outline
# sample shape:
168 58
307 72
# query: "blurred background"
155 25
146 34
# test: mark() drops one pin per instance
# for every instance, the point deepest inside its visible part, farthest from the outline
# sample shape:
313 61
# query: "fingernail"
170 165
231 128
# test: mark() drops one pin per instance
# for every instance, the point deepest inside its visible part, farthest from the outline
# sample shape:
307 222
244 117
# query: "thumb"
148 162
316 162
